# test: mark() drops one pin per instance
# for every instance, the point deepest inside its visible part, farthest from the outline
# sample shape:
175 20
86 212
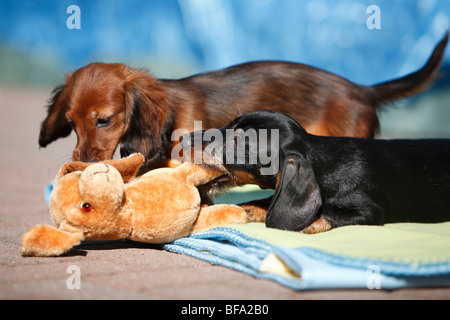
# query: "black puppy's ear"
297 199
55 126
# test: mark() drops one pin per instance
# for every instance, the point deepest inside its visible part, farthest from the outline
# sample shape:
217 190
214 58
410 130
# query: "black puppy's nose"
185 141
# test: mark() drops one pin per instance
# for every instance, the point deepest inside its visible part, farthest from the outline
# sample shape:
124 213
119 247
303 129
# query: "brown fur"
320 225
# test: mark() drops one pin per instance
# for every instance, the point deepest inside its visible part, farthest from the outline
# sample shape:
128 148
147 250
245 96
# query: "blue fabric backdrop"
176 38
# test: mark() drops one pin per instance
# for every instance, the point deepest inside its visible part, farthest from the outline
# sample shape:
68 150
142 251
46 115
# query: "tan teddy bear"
105 201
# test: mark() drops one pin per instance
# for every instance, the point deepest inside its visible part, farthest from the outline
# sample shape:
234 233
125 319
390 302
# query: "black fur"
347 181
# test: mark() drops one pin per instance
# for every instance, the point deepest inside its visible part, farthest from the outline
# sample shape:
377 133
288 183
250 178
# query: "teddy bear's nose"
103 171
101 185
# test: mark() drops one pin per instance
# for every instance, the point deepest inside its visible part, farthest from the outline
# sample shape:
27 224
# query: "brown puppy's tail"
414 82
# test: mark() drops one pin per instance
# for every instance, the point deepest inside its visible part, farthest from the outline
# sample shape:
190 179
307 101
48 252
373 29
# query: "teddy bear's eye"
86 207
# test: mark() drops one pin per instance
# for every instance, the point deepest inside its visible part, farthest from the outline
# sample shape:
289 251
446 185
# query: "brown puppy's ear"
55 126
297 199
128 167
148 116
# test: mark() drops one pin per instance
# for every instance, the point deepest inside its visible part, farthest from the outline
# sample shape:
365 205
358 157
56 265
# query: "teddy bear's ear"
128 167
72 166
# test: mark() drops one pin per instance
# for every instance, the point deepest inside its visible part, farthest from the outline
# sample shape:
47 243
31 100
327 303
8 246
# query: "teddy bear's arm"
218 215
45 240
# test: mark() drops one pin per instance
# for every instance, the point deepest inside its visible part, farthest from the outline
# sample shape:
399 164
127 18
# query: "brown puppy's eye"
103 122
86 207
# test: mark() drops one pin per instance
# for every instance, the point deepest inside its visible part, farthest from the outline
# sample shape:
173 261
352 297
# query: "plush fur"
104 201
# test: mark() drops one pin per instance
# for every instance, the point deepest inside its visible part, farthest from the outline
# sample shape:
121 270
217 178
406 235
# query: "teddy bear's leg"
217 216
45 241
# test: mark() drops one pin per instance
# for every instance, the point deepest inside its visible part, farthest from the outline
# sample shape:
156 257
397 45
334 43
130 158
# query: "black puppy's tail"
414 82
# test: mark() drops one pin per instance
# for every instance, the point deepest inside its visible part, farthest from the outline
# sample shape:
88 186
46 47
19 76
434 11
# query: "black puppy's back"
406 180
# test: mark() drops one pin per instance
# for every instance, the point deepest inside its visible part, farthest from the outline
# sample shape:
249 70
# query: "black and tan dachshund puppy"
328 182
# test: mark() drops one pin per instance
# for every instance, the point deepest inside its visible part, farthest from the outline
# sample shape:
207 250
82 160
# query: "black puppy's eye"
72 124
103 122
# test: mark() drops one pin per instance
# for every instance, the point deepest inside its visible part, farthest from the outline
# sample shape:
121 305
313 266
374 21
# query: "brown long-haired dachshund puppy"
111 105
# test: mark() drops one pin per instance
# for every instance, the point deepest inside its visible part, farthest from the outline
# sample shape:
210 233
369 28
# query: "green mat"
411 243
